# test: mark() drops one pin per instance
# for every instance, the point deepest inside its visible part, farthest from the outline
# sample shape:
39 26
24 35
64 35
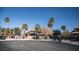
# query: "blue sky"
33 15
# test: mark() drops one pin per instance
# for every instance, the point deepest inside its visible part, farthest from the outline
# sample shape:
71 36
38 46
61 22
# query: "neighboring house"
44 32
47 31
75 33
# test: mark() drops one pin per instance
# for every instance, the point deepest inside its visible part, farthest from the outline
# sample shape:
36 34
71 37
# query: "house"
75 33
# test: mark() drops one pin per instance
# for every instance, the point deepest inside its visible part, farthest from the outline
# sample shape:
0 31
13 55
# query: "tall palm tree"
63 27
50 23
6 21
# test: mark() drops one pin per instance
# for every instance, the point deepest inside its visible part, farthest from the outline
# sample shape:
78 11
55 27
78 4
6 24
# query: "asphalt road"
36 46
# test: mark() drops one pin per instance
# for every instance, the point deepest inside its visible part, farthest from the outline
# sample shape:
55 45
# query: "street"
30 45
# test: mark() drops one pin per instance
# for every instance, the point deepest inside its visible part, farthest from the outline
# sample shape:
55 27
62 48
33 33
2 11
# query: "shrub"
37 36
77 38
34 37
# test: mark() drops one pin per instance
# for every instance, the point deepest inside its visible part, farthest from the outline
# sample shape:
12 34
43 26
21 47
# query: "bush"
64 37
34 37
51 36
77 38
37 36
45 37
73 38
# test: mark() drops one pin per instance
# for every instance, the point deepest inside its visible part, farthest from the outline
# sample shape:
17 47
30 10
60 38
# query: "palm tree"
63 27
50 23
6 21
37 28
25 26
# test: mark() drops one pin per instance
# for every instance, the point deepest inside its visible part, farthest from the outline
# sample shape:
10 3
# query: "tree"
50 22
63 27
12 33
16 31
56 32
25 26
8 31
37 28
3 29
6 21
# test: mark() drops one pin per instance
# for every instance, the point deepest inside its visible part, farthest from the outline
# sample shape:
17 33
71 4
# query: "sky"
68 16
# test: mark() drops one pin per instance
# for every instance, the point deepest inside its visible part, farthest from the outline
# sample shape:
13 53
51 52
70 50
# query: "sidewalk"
71 42
10 39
